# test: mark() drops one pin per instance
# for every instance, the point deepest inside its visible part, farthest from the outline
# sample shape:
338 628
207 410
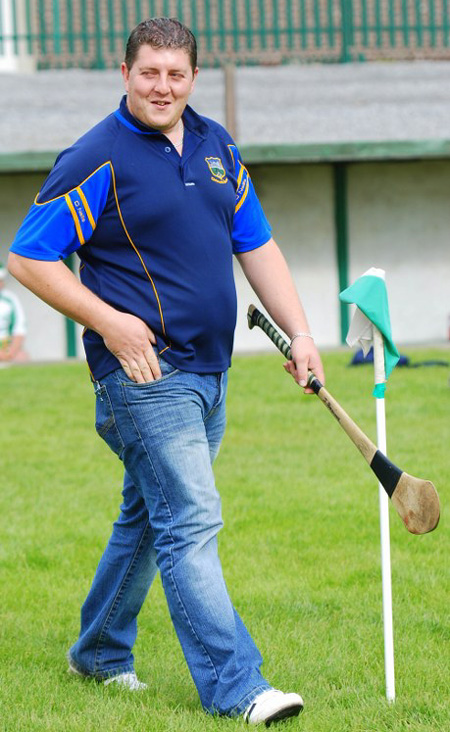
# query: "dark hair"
161 33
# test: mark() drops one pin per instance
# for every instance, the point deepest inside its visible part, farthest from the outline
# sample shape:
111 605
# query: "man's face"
158 86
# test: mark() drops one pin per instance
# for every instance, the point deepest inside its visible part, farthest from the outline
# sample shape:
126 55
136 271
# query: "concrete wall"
399 219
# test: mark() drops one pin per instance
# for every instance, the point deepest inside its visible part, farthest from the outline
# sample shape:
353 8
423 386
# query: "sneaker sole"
292 711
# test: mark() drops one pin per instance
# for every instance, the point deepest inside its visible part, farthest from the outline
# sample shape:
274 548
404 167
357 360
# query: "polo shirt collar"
191 119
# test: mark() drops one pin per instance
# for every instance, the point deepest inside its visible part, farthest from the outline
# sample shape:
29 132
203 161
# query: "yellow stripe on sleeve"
241 173
86 206
75 218
243 197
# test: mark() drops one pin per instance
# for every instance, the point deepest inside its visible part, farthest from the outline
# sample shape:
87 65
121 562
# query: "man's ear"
125 74
194 79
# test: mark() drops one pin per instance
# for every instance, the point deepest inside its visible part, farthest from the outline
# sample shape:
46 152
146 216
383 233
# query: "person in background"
12 324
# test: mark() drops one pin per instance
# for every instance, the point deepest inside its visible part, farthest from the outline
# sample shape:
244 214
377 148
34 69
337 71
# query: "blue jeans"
167 433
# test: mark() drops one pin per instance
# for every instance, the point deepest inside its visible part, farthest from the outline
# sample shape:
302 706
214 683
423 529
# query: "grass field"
300 551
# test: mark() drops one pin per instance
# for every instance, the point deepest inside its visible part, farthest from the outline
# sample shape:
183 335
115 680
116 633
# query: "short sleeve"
60 224
250 226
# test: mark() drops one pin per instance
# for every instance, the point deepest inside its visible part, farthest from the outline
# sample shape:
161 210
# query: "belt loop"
97 388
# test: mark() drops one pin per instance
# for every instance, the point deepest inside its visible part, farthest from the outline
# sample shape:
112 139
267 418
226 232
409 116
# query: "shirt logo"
79 209
218 172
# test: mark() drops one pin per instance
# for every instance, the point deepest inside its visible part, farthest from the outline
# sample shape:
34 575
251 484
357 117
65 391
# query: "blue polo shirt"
155 232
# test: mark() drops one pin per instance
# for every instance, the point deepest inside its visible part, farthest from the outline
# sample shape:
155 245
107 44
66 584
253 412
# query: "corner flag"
371 325
369 294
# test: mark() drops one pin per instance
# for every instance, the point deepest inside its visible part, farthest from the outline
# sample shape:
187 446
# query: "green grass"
300 551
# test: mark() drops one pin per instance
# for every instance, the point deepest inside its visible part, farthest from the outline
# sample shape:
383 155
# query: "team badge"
218 172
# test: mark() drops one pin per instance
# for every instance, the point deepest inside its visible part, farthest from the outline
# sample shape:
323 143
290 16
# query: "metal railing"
92 33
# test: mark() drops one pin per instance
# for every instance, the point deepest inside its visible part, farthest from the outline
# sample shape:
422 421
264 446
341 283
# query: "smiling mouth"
161 104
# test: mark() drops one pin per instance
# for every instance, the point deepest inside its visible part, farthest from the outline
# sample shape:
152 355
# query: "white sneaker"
129 681
272 706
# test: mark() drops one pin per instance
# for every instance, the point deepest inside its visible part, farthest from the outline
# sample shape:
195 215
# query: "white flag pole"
379 368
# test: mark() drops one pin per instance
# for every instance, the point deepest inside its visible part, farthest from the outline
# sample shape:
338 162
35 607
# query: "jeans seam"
108 620
191 627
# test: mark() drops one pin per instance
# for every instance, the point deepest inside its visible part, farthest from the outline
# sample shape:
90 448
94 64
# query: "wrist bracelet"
301 335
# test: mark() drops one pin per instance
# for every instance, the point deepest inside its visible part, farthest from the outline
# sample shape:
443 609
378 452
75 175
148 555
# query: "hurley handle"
256 317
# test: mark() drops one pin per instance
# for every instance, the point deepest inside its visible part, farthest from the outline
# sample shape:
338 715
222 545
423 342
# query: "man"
12 324
155 200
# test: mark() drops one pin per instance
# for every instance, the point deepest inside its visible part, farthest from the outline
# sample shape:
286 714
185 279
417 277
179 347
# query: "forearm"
267 272
54 283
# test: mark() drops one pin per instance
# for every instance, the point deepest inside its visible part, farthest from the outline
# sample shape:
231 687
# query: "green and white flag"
369 294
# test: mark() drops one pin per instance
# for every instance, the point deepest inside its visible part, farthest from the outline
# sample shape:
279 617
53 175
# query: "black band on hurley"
387 473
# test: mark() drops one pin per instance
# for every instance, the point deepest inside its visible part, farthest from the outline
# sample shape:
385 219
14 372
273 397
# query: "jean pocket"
105 421
167 372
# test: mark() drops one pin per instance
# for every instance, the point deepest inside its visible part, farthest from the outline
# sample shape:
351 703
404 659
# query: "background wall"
399 220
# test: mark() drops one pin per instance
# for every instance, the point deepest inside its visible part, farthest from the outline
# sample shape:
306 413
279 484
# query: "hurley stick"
415 500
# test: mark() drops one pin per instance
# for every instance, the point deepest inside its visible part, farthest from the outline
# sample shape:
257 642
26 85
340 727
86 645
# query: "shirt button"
168 149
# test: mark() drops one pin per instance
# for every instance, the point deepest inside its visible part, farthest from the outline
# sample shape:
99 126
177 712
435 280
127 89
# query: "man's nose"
162 84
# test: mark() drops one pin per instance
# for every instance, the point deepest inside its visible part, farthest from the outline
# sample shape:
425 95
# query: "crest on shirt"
218 172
